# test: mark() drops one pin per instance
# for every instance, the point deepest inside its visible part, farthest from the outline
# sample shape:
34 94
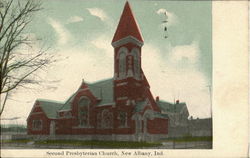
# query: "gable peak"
127 25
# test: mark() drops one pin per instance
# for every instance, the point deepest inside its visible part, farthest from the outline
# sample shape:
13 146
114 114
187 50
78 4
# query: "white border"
230 89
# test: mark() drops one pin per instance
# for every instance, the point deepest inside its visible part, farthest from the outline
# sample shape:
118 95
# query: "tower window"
121 58
135 53
122 65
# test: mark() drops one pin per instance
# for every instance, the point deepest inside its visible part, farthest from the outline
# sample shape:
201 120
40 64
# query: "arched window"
135 53
99 120
107 119
122 119
122 53
104 119
37 125
122 65
83 111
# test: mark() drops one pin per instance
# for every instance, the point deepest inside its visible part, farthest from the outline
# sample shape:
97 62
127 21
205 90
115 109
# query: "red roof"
127 25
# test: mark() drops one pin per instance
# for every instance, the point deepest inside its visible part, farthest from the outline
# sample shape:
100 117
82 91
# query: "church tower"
128 76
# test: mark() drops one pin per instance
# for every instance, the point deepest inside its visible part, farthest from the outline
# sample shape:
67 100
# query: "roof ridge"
99 81
163 101
48 100
68 100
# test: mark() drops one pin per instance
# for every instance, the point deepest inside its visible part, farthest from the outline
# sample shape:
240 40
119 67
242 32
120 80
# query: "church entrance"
138 129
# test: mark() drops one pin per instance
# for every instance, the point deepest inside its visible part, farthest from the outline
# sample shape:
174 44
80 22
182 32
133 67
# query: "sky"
80 32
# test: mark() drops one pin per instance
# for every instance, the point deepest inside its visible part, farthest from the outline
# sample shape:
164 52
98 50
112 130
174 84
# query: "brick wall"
157 126
39 115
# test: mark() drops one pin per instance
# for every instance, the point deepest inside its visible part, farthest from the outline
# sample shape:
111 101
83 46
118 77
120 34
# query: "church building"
119 108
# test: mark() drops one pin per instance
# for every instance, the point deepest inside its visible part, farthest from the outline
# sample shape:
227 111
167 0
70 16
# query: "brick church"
121 107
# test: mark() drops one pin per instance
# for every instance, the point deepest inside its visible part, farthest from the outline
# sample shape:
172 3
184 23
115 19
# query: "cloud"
74 19
81 64
103 43
98 13
170 81
171 17
101 14
187 54
62 33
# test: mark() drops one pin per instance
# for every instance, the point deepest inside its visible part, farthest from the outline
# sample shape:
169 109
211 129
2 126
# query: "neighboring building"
200 127
178 112
122 106
178 117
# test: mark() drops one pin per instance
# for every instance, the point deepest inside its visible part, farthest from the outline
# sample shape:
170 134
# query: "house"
178 117
119 108
178 112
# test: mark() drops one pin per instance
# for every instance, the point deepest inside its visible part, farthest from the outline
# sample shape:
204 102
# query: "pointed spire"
127 25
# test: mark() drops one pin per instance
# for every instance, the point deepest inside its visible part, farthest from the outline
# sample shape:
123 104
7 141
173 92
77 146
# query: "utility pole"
211 109
174 123
210 97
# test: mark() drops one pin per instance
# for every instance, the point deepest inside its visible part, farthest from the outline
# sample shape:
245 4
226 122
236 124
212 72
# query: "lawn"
92 143
189 139
105 144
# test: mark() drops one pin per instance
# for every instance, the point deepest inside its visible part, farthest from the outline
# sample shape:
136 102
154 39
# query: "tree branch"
4 102
18 68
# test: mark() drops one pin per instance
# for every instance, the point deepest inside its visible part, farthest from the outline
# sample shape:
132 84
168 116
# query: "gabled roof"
50 107
140 105
160 115
103 90
127 25
169 107
67 104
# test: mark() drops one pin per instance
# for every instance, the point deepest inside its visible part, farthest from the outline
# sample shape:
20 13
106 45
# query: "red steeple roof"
127 25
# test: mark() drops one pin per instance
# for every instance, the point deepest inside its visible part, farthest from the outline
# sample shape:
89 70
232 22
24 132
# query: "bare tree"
18 61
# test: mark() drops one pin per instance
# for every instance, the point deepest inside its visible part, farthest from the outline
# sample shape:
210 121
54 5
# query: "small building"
120 108
178 117
178 112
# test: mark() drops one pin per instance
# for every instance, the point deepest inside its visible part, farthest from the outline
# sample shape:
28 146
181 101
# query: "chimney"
177 101
157 98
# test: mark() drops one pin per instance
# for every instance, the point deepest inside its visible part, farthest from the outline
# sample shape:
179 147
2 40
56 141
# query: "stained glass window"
83 111
123 118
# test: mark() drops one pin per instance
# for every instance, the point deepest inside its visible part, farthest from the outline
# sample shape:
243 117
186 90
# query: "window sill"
83 127
124 126
36 129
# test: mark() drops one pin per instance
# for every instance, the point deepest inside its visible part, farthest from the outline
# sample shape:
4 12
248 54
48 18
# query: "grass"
93 143
189 139
16 141
97 143
106 144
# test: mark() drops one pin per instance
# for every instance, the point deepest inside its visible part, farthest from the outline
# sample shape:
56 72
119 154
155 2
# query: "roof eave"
125 40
